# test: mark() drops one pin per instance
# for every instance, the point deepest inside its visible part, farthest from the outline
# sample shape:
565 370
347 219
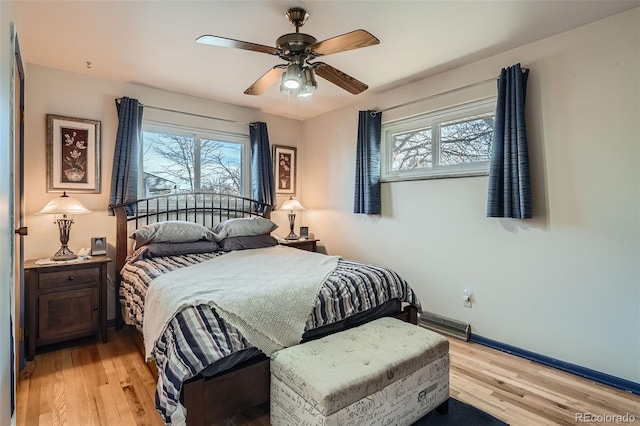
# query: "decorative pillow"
248 242
152 250
171 231
244 226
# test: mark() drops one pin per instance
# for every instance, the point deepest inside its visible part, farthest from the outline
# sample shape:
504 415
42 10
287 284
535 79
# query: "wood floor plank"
32 411
112 415
140 400
46 385
83 390
115 390
109 384
59 395
22 396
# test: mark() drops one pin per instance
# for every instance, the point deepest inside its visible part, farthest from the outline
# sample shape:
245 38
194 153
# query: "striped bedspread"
197 337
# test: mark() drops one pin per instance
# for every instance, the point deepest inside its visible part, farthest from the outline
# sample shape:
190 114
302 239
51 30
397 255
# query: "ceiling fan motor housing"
294 44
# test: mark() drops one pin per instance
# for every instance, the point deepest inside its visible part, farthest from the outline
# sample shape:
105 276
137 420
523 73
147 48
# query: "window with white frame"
180 159
446 143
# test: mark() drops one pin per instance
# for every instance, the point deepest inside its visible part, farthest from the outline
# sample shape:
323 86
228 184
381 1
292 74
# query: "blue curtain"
509 179
124 177
367 189
262 182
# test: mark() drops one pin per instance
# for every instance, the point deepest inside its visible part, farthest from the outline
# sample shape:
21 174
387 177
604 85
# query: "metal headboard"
204 208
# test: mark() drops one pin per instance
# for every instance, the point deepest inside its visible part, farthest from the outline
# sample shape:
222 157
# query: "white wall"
7 14
52 91
565 284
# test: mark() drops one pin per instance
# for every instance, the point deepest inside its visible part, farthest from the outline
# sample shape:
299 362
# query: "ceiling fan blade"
237 44
349 41
266 81
339 78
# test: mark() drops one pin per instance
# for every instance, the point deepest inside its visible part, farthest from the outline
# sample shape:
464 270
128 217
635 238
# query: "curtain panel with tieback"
367 198
262 181
124 176
509 192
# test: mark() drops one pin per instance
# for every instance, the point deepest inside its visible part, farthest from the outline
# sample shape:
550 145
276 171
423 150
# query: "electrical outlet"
466 298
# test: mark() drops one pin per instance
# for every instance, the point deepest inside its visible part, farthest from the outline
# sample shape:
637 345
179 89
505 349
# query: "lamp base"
63 254
292 218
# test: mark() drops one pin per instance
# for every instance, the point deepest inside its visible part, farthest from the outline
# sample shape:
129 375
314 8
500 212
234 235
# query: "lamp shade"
291 204
64 205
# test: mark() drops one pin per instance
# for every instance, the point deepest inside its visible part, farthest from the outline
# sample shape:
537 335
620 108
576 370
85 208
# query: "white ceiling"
151 43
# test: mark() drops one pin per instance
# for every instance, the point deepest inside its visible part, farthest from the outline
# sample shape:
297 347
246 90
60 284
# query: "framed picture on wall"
284 169
73 154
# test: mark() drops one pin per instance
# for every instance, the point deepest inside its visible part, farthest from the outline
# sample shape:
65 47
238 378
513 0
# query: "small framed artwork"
284 169
304 232
73 154
98 246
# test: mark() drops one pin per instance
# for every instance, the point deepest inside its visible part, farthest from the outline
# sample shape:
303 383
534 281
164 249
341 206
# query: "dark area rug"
460 414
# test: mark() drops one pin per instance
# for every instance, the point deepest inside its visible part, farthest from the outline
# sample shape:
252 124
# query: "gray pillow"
247 242
244 226
152 250
171 231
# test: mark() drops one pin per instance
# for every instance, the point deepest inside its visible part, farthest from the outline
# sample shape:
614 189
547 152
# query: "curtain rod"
468 86
194 115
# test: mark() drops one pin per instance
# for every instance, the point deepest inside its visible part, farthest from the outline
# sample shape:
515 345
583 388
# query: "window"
445 143
178 159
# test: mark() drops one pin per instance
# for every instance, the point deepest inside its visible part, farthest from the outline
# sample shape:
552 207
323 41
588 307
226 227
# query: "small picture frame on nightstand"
98 246
304 232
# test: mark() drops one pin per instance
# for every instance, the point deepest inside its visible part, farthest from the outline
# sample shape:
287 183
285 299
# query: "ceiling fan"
297 49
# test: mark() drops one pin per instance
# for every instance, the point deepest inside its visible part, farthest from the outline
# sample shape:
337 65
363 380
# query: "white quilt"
266 293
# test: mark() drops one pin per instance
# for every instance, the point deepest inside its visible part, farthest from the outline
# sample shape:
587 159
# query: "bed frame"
208 400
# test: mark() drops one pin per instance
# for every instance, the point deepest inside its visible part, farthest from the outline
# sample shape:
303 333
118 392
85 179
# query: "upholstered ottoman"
386 372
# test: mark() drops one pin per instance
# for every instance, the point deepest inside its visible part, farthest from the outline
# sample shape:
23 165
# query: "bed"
215 370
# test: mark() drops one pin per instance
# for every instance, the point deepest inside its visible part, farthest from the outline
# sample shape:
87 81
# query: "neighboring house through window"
180 159
449 142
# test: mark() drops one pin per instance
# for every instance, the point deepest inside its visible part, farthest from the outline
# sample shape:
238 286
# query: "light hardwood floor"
108 384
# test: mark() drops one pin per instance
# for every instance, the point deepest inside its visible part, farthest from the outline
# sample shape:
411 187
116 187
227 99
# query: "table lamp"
292 205
66 207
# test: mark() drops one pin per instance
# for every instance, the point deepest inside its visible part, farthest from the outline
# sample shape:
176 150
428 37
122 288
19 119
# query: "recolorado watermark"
605 418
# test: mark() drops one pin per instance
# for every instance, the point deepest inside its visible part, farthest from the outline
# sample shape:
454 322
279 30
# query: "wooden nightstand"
65 301
308 244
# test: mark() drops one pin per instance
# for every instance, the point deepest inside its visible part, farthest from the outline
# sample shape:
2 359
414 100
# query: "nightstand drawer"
48 280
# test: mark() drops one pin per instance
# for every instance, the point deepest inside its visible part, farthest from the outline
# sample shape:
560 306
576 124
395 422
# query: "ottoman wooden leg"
443 408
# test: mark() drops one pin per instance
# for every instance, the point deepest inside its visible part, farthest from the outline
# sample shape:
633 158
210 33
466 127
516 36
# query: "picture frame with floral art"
284 169
73 154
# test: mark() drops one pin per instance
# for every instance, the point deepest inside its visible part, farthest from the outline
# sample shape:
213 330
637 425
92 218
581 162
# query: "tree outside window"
174 162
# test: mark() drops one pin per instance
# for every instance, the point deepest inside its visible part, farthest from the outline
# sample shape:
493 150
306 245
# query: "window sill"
435 176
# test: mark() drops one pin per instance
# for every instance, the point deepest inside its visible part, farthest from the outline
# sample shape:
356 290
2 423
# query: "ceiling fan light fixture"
310 83
291 78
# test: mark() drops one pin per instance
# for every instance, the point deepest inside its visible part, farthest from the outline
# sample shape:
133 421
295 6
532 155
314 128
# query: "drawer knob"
95 308
71 278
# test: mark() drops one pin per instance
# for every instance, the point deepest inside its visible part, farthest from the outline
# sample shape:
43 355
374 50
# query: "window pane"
411 150
221 170
466 140
168 162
